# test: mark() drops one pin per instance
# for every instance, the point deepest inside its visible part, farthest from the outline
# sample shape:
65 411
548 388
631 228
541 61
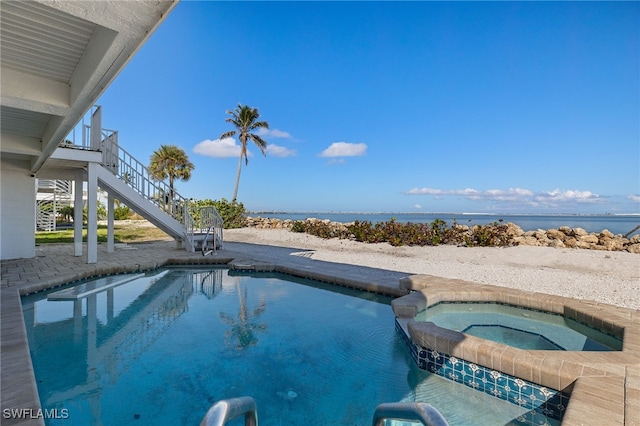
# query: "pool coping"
604 386
17 379
609 393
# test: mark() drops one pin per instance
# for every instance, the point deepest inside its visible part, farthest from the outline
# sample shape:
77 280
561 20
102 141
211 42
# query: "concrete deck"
55 265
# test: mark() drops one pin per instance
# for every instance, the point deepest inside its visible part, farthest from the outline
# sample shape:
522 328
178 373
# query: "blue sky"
501 107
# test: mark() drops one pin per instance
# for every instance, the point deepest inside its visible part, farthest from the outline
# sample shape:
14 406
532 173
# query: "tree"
245 119
244 329
170 161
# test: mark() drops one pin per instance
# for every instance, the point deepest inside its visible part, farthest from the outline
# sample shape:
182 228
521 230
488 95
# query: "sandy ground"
608 277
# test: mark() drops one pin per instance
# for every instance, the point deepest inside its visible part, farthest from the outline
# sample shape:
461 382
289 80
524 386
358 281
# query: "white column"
77 214
92 212
110 214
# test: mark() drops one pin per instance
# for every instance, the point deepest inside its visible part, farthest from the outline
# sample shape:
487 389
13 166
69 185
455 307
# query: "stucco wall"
18 218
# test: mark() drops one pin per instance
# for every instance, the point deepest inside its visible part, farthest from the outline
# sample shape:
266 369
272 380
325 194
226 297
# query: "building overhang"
56 59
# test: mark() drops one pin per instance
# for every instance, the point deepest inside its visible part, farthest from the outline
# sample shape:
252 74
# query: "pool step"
96 286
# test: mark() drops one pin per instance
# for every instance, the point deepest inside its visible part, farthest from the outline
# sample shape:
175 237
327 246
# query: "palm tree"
244 118
244 329
170 161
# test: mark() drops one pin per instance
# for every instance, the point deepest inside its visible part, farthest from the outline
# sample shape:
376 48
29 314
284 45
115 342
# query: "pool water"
161 348
519 327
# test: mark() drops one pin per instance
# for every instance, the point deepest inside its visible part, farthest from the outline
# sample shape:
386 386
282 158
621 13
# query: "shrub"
233 213
121 213
298 226
412 234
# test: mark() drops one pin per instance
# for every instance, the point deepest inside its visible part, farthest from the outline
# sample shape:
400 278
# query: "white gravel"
602 276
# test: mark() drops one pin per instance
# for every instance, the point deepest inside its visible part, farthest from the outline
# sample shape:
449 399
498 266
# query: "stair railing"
133 173
211 223
136 175
45 215
53 194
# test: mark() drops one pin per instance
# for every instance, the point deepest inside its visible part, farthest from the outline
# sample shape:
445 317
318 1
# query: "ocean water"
618 224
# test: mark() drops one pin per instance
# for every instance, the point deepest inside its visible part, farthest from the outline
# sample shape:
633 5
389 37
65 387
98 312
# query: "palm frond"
260 143
227 134
259 124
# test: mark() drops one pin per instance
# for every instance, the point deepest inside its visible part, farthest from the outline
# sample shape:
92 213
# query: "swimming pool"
161 348
519 327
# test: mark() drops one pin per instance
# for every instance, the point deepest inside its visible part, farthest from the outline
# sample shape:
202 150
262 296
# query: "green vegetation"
244 118
233 213
122 213
122 234
411 234
170 161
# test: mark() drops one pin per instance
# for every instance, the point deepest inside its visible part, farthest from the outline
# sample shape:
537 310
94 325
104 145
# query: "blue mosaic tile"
541 401
491 388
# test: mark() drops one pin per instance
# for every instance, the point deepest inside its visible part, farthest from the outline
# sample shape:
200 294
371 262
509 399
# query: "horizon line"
430 213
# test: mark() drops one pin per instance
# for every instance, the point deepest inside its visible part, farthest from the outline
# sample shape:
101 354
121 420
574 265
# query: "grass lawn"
123 233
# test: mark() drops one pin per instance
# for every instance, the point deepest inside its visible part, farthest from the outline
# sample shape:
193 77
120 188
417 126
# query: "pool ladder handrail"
227 409
422 412
206 251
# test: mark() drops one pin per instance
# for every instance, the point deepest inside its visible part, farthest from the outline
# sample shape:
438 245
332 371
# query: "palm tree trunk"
235 191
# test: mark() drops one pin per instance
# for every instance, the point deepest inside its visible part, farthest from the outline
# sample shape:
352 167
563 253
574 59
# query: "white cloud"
634 197
280 151
273 133
516 195
344 149
224 148
417 206
473 193
558 196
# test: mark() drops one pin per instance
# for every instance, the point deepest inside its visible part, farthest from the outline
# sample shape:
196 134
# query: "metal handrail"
223 411
205 250
409 411
210 220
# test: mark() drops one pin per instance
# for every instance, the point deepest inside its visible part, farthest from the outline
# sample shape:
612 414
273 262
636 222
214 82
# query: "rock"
570 242
634 248
606 234
540 234
612 244
514 230
556 234
578 232
526 240
565 230
556 243
588 238
509 234
584 245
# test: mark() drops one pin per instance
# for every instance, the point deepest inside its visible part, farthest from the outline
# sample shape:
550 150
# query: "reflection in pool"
161 348
519 327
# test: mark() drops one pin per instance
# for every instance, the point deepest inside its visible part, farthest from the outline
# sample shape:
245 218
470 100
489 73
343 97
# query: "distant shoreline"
293 212
616 223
